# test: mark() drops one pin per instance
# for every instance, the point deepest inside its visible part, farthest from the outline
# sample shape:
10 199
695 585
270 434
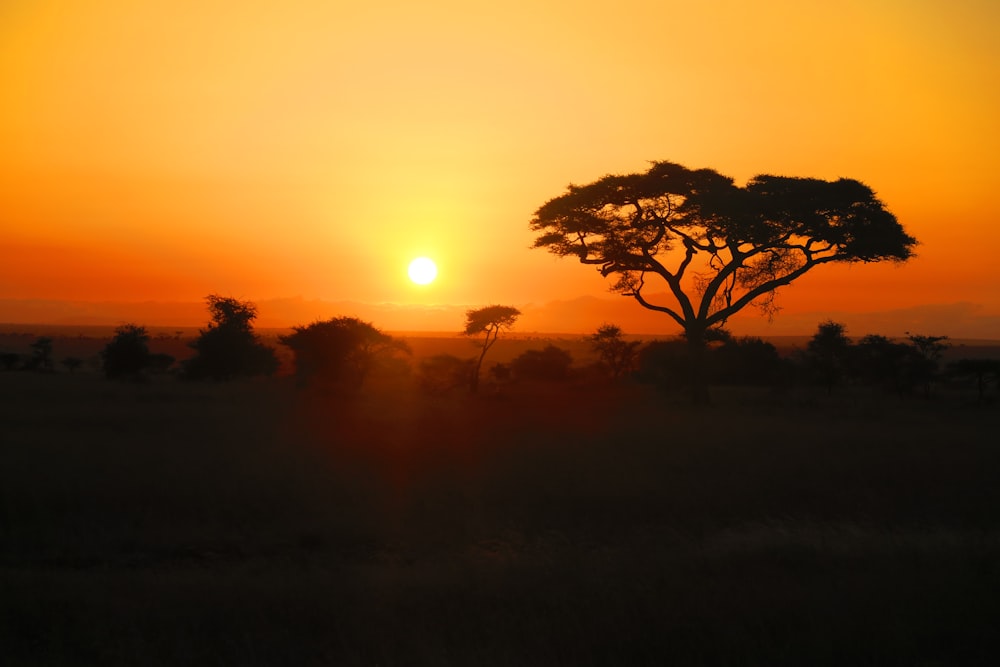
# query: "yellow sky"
164 150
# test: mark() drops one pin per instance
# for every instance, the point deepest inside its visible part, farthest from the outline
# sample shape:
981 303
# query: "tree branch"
768 286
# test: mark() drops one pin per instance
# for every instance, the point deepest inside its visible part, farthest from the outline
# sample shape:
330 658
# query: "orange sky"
163 150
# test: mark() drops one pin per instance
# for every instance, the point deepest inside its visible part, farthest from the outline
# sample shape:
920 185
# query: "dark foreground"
250 524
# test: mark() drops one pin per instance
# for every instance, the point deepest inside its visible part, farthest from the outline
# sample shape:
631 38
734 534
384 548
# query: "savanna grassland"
572 523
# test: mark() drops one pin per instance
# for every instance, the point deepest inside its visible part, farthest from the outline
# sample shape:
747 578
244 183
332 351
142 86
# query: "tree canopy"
127 355
341 350
716 247
617 354
490 321
229 348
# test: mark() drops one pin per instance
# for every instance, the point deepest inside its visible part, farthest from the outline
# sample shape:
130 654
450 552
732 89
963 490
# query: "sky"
162 151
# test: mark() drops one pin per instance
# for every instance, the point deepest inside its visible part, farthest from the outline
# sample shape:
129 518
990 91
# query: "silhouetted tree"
617 354
982 371
41 354
127 355
882 362
746 361
229 348
489 321
72 363
10 360
665 364
160 362
716 247
828 354
340 351
550 363
442 373
500 372
929 350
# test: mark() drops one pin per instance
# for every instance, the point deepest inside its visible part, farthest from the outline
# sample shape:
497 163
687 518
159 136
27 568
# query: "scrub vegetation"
569 518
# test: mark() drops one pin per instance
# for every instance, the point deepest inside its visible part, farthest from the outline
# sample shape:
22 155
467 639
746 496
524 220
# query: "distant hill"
579 315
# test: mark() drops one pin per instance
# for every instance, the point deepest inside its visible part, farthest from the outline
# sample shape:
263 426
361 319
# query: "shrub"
443 373
127 355
229 348
551 363
341 351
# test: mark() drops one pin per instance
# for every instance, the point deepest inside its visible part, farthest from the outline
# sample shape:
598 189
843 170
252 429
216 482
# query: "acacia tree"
127 355
229 347
41 354
828 354
929 350
716 247
339 351
489 321
617 354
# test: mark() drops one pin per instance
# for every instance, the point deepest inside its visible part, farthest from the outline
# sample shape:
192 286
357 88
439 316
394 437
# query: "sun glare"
423 271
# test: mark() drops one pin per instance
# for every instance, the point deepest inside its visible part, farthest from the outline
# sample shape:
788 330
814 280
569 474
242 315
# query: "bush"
665 364
127 355
551 363
229 348
617 355
746 361
444 373
341 351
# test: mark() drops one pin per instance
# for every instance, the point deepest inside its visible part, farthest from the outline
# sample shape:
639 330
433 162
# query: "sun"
423 270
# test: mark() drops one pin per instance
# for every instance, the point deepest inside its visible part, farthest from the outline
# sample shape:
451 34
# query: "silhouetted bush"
10 360
72 363
41 355
443 373
229 348
341 351
929 350
550 363
980 372
885 364
665 364
828 355
160 362
617 355
746 361
127 355
500 372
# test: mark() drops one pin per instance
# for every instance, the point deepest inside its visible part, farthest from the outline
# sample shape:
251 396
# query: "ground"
255 523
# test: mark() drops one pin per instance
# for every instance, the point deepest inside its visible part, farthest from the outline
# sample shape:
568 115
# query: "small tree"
488 321
550 363
229 347
929 350
983 371
885 363
617 354
72 363
161 362
10 360
341 351
442 373
828 354
127 355
41 354
746 361
665 364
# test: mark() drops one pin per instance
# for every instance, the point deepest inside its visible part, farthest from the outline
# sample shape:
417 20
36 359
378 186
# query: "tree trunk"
697 371
474 380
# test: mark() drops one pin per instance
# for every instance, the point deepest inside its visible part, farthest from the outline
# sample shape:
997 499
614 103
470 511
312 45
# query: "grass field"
167 523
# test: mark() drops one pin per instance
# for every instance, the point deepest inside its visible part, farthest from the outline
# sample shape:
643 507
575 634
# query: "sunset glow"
158 152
